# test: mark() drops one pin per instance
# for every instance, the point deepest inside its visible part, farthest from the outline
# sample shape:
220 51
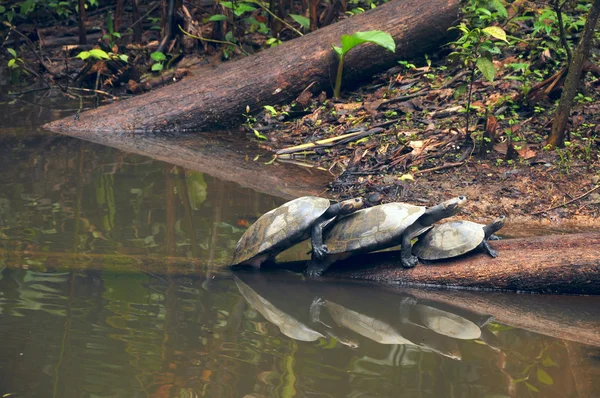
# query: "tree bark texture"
561 117
218 97
567 264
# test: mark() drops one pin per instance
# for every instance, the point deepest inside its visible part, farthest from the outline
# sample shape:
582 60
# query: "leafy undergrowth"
411 144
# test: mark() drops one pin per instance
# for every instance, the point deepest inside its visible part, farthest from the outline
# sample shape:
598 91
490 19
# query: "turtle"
380 227
289 224
456 238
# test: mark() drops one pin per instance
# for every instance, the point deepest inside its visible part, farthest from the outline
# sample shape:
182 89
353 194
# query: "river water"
113 284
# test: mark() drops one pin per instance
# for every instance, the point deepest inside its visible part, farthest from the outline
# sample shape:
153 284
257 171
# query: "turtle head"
452 206
443 210
496 225
351 205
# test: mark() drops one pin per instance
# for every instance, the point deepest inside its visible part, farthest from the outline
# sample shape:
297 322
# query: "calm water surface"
112 284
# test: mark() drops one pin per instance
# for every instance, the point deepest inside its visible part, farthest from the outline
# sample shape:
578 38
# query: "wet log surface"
566 264
217 97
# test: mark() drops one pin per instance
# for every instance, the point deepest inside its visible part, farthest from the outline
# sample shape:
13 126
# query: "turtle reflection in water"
384 332
457 238
290 223
287 324
380 227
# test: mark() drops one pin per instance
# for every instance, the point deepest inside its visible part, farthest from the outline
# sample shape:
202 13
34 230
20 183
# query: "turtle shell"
375 228
449 240
446 323
280 228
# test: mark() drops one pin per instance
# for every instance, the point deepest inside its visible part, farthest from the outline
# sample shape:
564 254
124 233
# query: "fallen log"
565 264
218 97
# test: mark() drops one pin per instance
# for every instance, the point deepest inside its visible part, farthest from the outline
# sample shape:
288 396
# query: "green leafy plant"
378 37
159 61
475 50
99 54
15 64
111 35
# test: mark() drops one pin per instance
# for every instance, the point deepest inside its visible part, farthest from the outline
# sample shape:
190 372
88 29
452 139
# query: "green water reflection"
112 285
99 333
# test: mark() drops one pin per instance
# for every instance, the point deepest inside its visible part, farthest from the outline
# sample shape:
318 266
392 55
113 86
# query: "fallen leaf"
501 148
417 147
348 107
526 153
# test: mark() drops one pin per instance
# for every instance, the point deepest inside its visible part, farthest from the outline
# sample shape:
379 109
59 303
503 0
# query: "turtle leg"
407 259
319 250
488 249
315 268
315 309
494 237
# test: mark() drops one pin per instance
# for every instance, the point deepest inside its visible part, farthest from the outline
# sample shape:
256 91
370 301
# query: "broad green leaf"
242 8
378 37
157 67
196 189
116 34
338 50
544 377
2 9
271 110
124 57
406 177
548 362
518 66
83 55
484 11
12 52
26 7
259 135
531 387
158 56
487 68
496 31
227 4
302 20
218 17
109 22
99 54
499 7
11 63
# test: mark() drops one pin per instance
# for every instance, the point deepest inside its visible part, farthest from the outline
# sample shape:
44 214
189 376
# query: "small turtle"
456 238
380 227
289 224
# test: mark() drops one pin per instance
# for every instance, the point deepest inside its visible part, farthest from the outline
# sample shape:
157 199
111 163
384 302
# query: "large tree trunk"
549 264
561 117
218 98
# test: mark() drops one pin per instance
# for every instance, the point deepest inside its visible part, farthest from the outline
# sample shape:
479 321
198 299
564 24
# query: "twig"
258 3
442 167
454 79
32 47
404 98
154 7
212 40
95 92
342 139
569 202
